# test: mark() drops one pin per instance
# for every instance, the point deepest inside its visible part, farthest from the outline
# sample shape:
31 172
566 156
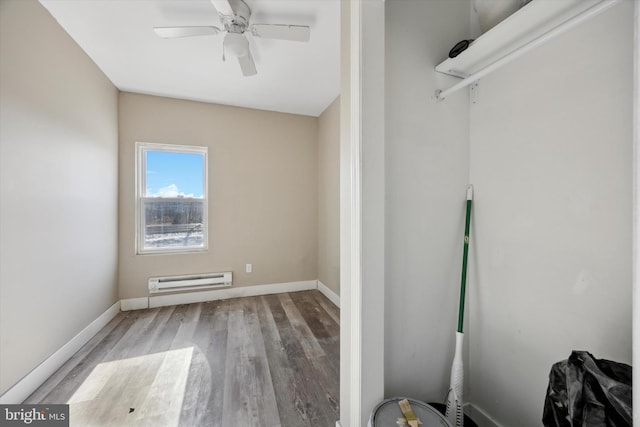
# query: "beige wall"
329 197
263 195
58 189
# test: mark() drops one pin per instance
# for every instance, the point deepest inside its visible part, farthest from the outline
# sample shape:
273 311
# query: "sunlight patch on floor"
144 390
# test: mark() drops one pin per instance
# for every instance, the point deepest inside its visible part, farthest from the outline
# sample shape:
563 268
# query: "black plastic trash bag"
586 392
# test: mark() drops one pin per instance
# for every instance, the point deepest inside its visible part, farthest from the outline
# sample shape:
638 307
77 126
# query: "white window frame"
141 185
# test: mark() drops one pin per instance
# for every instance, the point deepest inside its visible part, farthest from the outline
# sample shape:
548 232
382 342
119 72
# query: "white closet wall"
548 146
427 171
551 161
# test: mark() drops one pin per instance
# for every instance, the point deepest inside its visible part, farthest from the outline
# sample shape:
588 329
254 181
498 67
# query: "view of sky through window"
171 174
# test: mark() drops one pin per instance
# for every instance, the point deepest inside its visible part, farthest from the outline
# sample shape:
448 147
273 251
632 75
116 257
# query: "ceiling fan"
235 16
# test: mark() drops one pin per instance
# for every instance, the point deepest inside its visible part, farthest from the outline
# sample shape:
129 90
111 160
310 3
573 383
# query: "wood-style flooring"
259 361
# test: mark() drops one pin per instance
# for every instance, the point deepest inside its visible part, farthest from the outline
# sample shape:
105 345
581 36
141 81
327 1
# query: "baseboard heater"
190 282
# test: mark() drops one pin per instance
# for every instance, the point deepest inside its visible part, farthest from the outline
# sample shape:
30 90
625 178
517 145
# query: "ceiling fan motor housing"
237 23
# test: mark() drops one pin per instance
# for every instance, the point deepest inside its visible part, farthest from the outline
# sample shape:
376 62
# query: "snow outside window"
171 197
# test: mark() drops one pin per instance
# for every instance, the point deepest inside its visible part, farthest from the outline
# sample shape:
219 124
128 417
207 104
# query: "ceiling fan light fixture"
236 44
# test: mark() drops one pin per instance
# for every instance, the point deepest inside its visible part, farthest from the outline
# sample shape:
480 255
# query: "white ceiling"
293 77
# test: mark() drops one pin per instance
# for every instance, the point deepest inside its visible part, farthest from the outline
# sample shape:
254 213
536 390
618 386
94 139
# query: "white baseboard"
327 292
34 379
480 417
218 294
134 303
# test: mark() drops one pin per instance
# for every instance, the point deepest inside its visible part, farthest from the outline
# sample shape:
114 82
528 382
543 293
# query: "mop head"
454 398
454 413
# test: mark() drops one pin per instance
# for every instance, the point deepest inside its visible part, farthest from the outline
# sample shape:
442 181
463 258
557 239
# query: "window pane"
173 224
172 174
172 192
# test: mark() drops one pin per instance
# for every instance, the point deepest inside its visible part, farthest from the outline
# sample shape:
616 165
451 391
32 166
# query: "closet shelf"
535 23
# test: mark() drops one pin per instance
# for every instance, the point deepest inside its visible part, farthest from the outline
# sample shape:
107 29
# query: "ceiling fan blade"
298 33
176 32
247 65
223 7
238 45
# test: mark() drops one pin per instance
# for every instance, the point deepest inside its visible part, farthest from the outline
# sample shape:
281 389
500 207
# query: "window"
171 197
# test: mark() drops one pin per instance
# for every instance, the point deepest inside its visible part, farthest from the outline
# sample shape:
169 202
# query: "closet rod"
565 26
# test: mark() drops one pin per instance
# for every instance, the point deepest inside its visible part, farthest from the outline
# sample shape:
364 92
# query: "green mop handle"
463 285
